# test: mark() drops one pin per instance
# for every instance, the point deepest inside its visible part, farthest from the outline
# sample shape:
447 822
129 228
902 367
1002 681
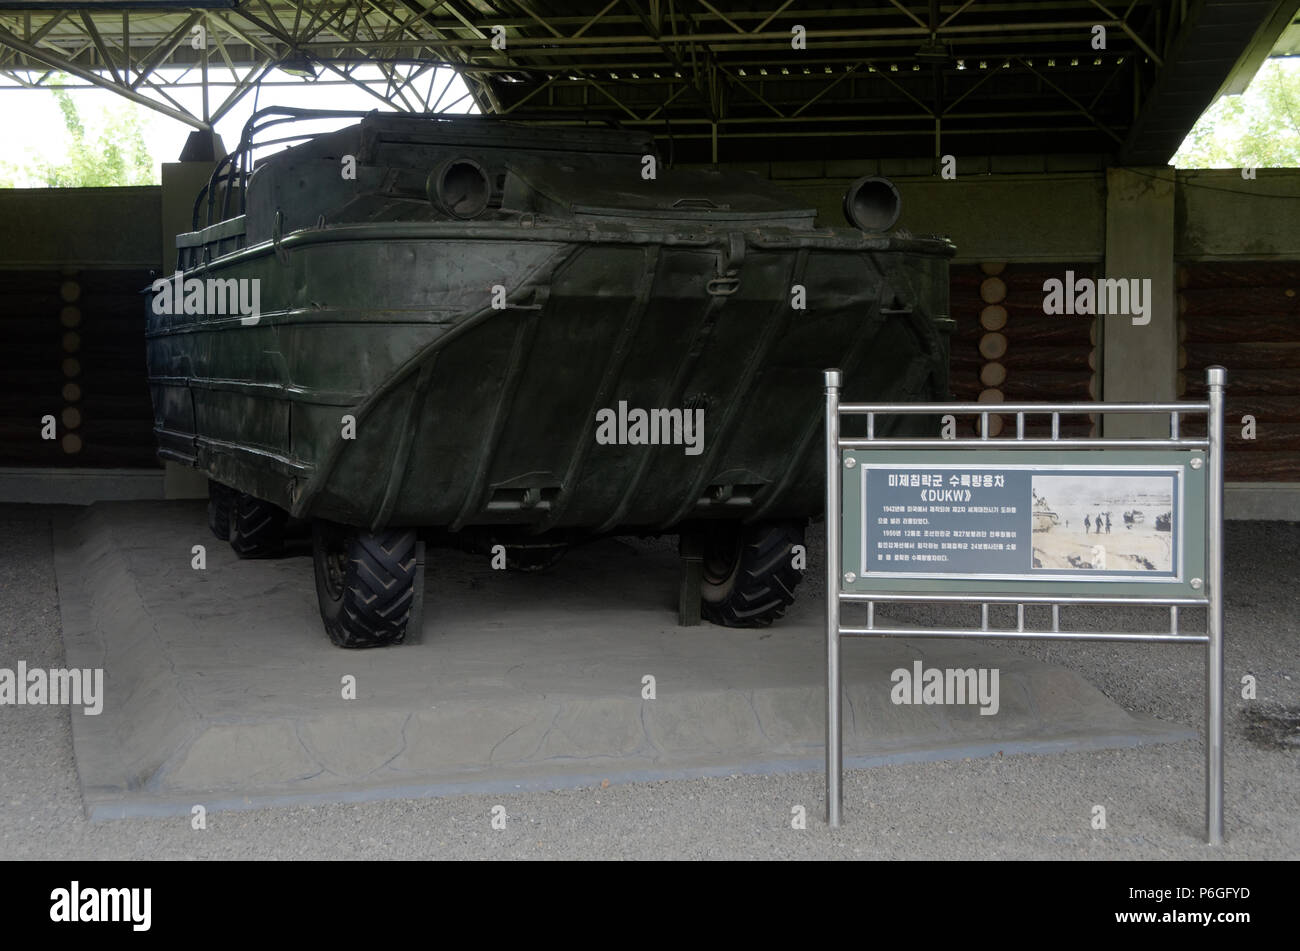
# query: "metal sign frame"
842 587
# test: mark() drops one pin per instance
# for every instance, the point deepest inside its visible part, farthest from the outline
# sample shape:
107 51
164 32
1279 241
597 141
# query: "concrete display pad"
223 690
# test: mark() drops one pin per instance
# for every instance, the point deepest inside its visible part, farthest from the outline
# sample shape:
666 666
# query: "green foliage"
115 155
1259 128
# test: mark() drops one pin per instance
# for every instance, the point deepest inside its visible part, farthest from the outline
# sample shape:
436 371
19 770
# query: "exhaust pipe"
872 204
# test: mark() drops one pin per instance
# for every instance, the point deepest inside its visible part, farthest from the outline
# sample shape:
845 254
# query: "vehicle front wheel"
748 574
365 583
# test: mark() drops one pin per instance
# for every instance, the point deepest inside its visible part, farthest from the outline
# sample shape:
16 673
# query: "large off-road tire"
365 583
748 572
256 527
219 500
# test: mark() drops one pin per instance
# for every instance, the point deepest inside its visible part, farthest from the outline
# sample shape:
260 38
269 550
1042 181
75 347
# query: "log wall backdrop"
74 349
1006 349
1245 316
73 261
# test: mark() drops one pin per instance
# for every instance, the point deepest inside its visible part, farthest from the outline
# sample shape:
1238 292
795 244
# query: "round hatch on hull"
460 188
872 204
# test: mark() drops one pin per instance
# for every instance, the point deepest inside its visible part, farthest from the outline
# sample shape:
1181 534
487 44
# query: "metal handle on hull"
277 235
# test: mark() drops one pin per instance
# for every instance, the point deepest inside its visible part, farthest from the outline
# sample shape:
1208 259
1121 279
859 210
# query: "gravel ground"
1002 807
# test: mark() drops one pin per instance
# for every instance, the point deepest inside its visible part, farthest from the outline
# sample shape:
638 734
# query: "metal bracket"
688 594
730 259
277 235
415 624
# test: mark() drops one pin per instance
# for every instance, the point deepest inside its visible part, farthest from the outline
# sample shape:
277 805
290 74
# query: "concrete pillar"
1139 362
181 182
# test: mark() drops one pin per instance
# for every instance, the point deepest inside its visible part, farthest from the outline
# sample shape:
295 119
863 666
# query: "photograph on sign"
1099 523
1017 522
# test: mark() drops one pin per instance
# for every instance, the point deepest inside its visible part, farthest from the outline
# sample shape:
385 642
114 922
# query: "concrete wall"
89 228
181 182
1030 208
1221 216
1054 217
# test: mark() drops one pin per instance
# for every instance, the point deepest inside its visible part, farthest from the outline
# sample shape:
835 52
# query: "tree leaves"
115 154
1260 128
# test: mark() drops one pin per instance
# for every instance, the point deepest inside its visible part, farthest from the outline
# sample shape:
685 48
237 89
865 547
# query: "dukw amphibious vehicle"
459 331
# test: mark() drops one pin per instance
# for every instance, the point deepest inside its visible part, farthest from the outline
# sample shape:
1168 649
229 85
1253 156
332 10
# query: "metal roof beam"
1212 43
55 61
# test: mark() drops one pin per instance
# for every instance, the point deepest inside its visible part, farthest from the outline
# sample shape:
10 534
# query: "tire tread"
256 527
378 590
765 578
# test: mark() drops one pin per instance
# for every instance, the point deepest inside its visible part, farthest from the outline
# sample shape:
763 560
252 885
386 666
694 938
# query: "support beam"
1139 362
55 61
1206 55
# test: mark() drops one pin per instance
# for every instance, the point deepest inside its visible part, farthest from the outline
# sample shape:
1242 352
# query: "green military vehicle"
460 331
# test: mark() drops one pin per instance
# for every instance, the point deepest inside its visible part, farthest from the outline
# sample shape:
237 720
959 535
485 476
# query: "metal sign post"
834 742
955 520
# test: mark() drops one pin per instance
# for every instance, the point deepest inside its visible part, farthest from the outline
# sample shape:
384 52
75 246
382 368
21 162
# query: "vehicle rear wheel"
219 498
365 583
748 573
256 527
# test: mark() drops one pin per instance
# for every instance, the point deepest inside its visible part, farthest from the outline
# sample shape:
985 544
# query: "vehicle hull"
383 383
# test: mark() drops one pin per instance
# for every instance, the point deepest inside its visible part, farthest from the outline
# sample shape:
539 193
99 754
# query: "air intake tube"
872 204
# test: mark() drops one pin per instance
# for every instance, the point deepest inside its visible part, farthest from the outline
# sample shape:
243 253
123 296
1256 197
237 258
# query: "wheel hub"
336 566
720 558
